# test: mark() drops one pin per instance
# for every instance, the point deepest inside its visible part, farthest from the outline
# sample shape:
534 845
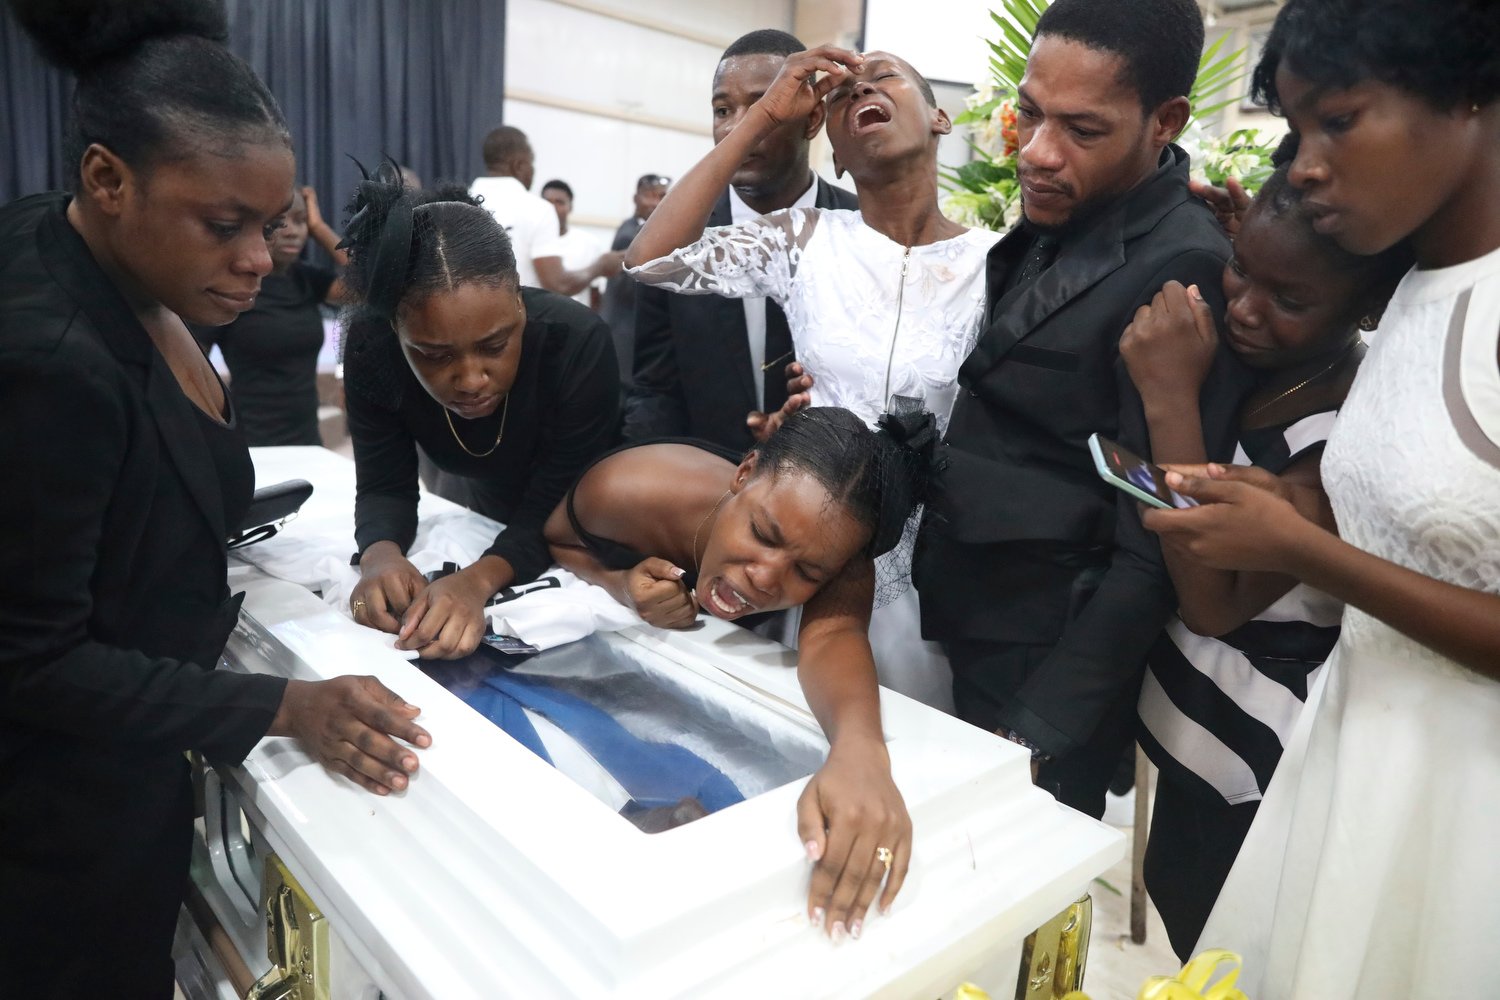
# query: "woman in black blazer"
124 471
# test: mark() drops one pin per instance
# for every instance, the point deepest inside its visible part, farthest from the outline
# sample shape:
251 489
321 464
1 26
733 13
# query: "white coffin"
494 875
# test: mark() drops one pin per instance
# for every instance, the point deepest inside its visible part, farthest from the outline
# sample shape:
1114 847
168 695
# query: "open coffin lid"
496 875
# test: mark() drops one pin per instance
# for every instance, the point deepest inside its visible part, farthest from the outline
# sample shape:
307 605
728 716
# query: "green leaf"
978 174
978 114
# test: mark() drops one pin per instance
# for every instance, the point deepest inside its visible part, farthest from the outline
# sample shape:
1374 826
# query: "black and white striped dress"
1216 712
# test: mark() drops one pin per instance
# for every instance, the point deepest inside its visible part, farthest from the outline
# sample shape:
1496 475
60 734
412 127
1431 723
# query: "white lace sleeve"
750 259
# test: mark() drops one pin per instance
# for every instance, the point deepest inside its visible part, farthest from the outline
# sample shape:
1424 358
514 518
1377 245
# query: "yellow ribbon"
1189 984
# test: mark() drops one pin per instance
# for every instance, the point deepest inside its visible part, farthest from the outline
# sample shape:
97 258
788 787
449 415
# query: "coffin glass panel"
656 741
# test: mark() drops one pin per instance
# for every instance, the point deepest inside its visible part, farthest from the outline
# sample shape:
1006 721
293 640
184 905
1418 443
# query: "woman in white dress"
1372 869
886 301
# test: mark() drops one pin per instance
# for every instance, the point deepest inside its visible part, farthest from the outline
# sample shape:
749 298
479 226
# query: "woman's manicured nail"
838 931
855 928
814 851
817 916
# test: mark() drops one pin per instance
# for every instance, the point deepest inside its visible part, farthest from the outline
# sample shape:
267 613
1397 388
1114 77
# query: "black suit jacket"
692 357
618 304
1025 544
113 614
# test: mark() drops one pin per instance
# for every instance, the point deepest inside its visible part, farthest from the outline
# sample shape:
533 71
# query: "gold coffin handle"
1053 957
296 940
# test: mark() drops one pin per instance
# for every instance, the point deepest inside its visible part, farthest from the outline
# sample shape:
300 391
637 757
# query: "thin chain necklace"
701 523
1313 378
498 437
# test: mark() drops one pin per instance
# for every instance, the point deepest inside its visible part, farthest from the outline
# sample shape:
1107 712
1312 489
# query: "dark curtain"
419 80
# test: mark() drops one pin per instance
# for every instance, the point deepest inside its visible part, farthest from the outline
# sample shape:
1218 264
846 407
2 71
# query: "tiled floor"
1117 967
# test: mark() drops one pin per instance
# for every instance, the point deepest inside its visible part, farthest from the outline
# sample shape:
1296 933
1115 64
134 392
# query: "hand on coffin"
849 810
659 595
798 394
347 724
387 584
447 620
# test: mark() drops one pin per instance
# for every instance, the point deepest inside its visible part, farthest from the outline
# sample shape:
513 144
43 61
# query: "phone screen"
1125 466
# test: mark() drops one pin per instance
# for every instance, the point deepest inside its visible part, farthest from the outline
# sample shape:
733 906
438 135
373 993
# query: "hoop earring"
1368 324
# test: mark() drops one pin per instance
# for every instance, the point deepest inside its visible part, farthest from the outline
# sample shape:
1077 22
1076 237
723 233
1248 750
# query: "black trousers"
94 850
1192 844
986 675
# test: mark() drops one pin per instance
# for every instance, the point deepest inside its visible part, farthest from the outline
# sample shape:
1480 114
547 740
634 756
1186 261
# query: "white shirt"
869 317
755 306
528 219
579 250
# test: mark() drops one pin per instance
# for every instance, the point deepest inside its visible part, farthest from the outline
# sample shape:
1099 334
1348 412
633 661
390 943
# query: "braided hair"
881 477
404 246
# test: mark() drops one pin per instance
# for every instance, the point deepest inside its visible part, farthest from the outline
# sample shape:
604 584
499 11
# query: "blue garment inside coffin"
653 774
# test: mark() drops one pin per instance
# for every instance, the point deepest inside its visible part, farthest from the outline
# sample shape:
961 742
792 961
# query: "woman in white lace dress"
1372 869
886 301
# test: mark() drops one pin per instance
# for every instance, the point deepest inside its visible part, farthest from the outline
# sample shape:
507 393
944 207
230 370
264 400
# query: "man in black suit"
702 362
1035 575
620 289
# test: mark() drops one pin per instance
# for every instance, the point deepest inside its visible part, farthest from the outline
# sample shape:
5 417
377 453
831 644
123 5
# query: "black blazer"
113 613
692 357
1025 544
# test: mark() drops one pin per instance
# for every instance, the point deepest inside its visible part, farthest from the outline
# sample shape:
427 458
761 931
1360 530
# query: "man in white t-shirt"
579 248
530 222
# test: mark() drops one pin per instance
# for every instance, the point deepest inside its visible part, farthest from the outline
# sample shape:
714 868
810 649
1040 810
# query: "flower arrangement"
1244 154
1209 976
986 192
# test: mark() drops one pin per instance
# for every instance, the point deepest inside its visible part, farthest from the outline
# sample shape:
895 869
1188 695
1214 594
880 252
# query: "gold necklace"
480 454
701 523
1313 378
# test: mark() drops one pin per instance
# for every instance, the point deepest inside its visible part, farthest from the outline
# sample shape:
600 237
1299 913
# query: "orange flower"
1006 114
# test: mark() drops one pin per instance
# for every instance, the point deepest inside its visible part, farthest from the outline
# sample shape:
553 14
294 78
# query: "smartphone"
1133 474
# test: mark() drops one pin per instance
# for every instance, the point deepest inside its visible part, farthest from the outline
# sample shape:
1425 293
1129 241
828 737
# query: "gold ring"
883 855
358 607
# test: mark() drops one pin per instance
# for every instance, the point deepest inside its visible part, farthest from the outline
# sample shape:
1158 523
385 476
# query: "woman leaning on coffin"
673 527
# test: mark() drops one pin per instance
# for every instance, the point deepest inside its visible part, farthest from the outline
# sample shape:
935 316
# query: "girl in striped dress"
1228 678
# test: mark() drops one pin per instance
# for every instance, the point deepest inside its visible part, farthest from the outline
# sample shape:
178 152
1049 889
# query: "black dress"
113 613
562 412
272 354
615 555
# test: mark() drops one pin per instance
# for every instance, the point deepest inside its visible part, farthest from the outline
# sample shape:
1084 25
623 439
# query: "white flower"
1012 214
960 210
